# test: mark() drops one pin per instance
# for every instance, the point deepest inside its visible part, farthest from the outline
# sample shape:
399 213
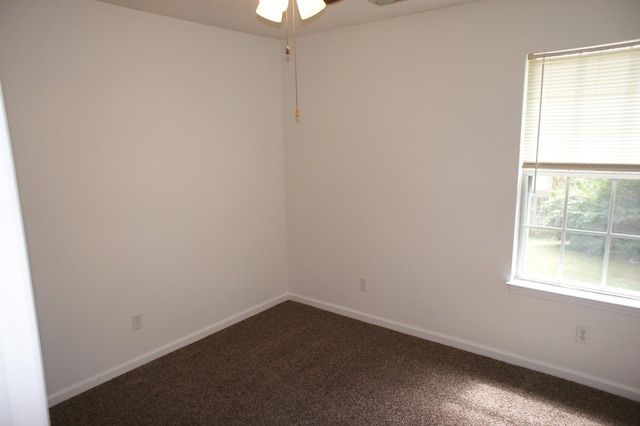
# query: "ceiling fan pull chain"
286 26
295 55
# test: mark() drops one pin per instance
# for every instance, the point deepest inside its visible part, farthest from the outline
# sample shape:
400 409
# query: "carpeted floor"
297 365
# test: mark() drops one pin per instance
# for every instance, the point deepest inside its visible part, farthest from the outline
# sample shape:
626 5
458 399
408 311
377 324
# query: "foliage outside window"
580 203
583 230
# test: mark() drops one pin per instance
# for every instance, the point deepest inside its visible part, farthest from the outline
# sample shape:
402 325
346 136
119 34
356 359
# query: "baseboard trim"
473 347
100 378
509 357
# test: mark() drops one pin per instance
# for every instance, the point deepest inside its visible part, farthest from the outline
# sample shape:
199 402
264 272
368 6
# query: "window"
579 206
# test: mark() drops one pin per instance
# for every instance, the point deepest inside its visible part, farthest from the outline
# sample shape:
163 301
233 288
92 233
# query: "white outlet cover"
583 334
363 284
136 321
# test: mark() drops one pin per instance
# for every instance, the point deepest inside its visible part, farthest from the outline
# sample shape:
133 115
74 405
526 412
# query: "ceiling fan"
274 9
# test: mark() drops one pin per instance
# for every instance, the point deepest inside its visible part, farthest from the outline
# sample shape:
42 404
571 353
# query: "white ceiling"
239 15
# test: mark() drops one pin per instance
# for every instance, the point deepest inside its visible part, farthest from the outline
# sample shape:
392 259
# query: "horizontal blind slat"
590 109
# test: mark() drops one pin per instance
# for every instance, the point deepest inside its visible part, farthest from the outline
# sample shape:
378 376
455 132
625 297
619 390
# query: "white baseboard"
98 379
476 348
511 358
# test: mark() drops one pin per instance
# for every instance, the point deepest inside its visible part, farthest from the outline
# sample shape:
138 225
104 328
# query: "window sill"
605 302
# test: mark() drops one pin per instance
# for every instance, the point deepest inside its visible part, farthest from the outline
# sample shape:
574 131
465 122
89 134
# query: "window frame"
527 175
600 298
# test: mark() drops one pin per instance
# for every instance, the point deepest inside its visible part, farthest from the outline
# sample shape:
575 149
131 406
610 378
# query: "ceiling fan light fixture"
272 9
308 8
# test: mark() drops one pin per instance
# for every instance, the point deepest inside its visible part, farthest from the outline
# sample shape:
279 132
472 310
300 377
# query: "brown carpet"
297 365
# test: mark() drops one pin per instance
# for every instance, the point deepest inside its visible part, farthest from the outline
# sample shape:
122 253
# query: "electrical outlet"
363 284
136 321
583 334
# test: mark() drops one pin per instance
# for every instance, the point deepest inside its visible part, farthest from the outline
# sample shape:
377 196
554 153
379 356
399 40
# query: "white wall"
403 170
149 155
22 386
150 163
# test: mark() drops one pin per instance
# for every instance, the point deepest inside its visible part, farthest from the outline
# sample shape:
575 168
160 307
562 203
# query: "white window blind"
583 109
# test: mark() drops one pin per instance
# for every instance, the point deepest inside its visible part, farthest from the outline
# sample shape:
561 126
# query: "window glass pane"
588 207
626 216
583 258
546 205
624 264
542 254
